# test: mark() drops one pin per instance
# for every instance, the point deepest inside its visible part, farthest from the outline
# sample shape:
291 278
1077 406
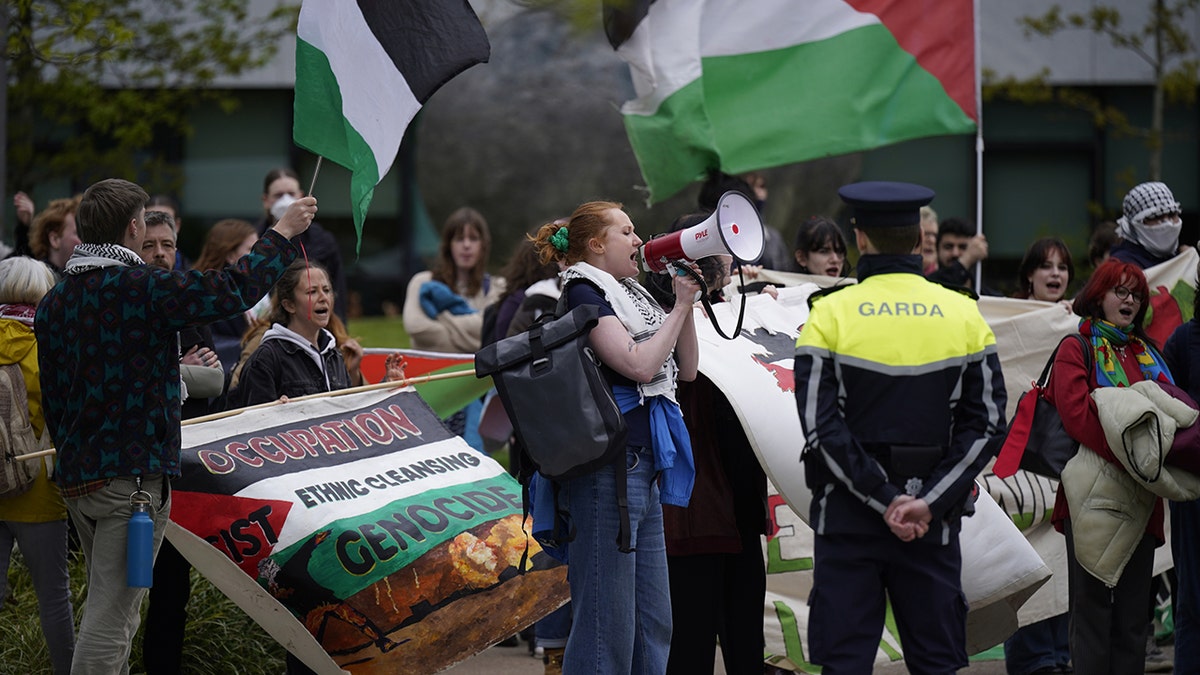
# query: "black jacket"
286 365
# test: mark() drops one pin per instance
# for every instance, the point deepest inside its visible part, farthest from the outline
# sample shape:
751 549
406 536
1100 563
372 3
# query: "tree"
95 86
1162 42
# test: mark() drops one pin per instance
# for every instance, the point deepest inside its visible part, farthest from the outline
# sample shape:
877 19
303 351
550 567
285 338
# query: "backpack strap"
624 530
524 522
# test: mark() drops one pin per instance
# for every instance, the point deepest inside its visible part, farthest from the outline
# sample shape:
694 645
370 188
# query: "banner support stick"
398 384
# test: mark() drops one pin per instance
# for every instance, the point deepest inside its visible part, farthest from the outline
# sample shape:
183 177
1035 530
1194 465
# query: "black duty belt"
908 466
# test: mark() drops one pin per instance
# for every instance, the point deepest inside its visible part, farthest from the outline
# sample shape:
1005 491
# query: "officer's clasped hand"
908 517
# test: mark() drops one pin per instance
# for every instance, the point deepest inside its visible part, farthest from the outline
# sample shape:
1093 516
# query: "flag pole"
316 171
978 147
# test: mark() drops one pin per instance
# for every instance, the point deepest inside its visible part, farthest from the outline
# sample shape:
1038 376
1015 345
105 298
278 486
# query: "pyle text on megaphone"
734 228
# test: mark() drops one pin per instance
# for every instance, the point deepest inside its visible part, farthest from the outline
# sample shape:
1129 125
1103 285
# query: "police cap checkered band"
1149 200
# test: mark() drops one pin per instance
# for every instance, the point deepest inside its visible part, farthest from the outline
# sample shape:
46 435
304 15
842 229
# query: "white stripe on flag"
663 53
730 28
664 50
376 99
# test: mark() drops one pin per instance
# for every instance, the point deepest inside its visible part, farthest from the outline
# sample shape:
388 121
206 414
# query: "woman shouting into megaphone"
622 606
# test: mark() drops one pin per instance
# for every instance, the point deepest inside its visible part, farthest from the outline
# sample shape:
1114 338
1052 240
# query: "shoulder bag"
1035 440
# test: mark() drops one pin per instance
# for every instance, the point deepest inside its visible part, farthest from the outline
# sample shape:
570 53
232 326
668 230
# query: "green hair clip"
560 240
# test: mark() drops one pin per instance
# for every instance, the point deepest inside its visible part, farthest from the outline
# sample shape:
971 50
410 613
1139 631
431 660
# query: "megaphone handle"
737 330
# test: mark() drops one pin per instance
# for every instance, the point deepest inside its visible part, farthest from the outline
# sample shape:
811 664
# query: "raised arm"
641 361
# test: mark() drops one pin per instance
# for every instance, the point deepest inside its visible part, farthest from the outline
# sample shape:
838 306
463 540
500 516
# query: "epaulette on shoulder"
824 293
957 289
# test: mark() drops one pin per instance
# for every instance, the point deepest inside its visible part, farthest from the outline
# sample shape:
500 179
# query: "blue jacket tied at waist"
672 445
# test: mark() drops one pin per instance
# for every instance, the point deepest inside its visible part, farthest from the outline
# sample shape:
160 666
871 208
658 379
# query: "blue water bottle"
139 550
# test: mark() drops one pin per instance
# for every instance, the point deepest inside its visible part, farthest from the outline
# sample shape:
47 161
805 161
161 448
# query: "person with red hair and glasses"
1108 624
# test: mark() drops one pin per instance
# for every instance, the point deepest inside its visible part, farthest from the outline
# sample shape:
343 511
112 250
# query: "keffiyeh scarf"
640 315
88 257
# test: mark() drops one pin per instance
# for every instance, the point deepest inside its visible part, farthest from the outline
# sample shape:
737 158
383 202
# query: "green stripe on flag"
447 397
674 146
854 91
818 98
323 130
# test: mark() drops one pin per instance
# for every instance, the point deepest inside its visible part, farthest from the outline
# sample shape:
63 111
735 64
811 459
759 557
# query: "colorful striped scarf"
1106 338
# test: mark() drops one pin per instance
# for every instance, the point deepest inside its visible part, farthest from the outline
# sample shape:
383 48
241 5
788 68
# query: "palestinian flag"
364 69
446 395
721 84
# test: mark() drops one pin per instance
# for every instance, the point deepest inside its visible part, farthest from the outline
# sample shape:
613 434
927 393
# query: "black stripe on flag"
430 41
621 18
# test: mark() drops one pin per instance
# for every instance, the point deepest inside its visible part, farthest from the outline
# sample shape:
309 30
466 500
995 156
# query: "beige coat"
1111 505
454 334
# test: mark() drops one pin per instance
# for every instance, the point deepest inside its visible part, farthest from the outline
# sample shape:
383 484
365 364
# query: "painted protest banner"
360 533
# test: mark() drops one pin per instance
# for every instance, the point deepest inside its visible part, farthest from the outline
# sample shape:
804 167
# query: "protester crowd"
96 300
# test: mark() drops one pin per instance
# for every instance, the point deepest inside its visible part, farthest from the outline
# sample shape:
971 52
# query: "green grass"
220 638
379 331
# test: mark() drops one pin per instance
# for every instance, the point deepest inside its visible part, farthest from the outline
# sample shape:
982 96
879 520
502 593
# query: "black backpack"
565 418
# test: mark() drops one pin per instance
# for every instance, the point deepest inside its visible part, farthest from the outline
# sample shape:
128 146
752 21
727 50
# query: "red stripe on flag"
940 34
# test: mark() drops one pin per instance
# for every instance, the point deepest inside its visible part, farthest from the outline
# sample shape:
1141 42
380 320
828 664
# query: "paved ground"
516 661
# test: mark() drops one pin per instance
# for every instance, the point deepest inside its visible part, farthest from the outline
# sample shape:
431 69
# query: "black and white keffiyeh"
1148 200
639 313
88 257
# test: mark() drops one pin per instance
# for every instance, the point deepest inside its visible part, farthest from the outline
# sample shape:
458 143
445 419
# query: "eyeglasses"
1121 292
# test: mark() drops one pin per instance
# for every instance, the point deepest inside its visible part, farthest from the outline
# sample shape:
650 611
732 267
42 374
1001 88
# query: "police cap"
885 203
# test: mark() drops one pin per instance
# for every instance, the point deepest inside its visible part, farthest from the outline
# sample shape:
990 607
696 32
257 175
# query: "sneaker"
539 652
1157 660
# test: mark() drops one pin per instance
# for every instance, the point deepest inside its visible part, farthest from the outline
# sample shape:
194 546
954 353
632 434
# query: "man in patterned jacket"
898 387
110 387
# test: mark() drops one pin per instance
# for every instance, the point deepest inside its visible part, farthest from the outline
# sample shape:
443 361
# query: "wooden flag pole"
325 394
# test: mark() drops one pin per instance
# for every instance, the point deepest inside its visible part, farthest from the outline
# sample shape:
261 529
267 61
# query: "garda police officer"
898 387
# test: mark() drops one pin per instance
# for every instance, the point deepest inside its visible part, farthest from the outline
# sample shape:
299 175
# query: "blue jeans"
621 602
1185 528
551 631
1045 644
112 611
44 548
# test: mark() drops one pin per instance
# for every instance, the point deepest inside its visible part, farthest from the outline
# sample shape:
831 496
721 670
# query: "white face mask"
1161 240
281 205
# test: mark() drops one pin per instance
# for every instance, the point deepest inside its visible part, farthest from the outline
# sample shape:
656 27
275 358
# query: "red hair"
1089 304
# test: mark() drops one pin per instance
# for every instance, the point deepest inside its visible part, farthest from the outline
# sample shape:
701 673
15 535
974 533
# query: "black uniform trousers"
852 575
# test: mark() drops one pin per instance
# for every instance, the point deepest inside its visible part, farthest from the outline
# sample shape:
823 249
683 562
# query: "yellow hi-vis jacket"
895 361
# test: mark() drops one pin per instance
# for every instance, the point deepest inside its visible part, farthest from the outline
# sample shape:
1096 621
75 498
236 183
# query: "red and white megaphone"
734 228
